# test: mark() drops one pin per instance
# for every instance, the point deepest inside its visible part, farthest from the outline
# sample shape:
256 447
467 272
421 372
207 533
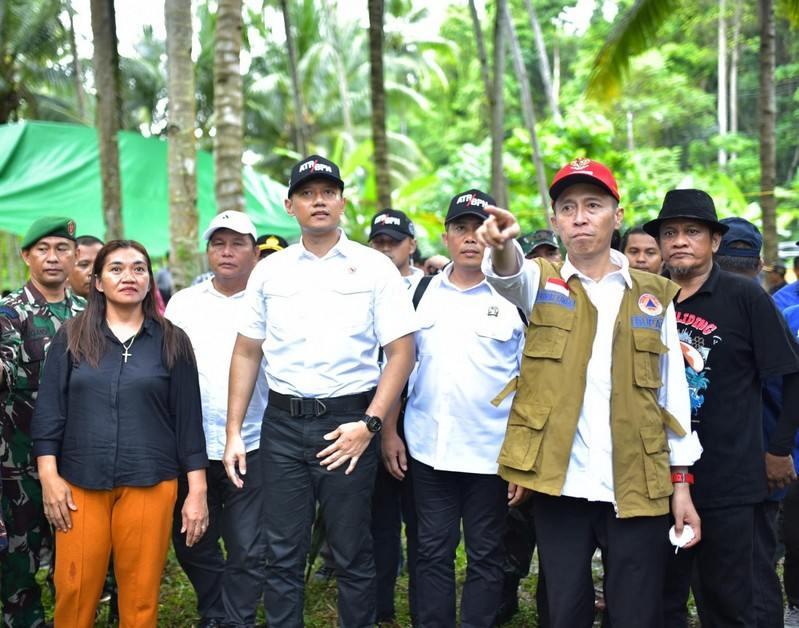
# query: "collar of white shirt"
568 269
446 275
342 247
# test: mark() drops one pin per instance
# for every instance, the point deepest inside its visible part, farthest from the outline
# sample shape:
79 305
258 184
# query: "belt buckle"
295 406
319 408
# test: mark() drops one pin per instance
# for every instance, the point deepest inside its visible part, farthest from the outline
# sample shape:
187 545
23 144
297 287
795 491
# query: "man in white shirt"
468 350
601 408
393 234
318 311
228 589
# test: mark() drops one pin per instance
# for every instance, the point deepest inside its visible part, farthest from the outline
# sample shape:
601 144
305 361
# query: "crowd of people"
638 396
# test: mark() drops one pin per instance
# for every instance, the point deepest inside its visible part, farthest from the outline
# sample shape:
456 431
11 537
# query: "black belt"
313 406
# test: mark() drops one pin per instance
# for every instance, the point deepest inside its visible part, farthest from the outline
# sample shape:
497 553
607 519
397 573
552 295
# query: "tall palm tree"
106 77
296 87
228 107
182 158
376 82
768 123
543 61
77 73
499 184
721 99
528 111
482 57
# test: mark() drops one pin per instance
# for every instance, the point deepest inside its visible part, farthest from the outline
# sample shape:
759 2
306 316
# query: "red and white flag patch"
556 284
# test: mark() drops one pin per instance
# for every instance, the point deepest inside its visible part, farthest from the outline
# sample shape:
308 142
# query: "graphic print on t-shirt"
696 341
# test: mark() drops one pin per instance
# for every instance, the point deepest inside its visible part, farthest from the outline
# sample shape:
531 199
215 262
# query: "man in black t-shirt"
732 339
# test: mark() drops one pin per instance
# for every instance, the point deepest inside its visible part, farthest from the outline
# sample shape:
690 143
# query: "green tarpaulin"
51 169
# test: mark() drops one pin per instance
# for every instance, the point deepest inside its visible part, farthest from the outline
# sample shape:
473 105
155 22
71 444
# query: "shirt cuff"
195 462
685 450
488 267
46 448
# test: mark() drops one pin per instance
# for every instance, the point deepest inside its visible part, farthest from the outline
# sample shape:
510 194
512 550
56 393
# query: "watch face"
373 424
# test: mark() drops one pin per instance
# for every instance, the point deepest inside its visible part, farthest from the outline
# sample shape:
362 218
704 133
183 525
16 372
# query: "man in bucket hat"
601 408
732 339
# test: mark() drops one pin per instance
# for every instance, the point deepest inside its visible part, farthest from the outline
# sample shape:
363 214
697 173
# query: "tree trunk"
376 9
299 107
556 70
543 61
182 158
228 107
768 143
77 74
482 57
722 81
106 77
528 110
499 186
343 81
734 55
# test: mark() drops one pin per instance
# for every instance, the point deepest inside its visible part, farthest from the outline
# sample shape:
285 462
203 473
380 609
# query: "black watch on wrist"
373 423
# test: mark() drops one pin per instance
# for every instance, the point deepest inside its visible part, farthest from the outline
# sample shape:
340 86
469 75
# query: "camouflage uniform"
27 325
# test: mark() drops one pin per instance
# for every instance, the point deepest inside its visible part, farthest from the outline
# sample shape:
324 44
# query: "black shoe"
210 623
324 574
510 600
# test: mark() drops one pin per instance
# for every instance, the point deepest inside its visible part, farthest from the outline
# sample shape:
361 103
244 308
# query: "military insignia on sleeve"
649 304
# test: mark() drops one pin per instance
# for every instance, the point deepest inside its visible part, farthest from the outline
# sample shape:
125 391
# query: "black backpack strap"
522 316
420 290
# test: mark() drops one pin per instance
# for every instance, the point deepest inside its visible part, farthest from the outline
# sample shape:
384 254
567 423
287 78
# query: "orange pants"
134 523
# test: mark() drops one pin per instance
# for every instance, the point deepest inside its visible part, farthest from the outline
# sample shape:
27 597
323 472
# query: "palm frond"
633 34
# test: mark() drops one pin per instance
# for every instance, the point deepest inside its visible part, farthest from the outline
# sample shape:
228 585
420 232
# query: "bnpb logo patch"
649 304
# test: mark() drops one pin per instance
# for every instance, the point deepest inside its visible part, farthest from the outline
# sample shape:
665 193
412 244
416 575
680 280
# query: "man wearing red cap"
601 409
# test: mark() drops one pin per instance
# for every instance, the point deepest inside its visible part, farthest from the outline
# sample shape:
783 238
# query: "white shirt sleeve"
394 315
673 395
520 288
252 313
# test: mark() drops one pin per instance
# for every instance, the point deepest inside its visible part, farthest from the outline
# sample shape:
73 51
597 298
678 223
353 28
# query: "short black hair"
615 240
88 240
738 264
636 230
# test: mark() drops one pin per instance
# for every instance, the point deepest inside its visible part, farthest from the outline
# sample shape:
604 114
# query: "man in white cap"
228 589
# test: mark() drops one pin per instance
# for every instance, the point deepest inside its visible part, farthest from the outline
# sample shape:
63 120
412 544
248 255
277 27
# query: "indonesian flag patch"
556 284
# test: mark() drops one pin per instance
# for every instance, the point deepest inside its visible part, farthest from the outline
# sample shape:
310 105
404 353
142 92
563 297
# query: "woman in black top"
118 418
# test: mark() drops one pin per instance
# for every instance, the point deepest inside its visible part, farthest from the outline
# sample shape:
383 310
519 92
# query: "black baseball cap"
393 223
314 167
687 203
471 202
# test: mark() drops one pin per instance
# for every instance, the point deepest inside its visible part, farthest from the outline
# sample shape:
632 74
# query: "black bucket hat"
688 203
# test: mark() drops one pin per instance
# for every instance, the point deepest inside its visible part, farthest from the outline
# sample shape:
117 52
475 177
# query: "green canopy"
53 169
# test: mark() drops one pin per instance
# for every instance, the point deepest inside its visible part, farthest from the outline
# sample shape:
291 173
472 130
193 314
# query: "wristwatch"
373 423
680 477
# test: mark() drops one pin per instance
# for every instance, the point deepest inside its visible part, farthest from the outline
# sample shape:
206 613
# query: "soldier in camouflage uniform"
29 318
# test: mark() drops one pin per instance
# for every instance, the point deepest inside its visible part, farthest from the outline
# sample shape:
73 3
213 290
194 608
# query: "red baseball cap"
584 170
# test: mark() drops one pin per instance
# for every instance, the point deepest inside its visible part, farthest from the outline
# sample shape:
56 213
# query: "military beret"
48 226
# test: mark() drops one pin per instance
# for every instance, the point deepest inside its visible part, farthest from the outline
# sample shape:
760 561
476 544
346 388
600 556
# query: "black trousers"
444 499
227 589
767 588
569 532
393 504
723 567
790 536
293 482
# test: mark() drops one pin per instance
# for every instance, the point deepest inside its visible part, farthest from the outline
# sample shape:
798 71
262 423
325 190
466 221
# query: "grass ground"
177 604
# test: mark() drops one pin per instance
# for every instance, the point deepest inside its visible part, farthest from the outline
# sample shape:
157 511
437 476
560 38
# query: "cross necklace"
127 346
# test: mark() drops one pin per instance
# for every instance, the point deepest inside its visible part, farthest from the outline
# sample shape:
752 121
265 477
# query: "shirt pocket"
282 304
550 326
352 305
646 360
656 461
425 339
523 436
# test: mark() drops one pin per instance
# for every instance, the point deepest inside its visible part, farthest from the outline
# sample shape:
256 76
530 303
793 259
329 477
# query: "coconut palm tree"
296 88
182 157
378 95
228 107
106 78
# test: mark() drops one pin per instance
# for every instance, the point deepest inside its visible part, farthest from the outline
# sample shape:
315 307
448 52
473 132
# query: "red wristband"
679 477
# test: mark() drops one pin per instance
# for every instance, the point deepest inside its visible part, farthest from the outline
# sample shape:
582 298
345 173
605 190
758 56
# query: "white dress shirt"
322 320
412 280
209 318
590 471
468 345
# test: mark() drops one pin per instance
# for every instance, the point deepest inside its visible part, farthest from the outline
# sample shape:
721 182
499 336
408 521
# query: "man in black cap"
270 243
318 312
393 234
541 243
732 339
29 318
469 348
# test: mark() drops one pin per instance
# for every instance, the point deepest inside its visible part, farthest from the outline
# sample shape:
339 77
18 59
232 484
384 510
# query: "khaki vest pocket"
656 461
545 342
646 366
523 436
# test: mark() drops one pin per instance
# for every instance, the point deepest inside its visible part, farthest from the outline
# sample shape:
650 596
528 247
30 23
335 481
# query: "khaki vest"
551 387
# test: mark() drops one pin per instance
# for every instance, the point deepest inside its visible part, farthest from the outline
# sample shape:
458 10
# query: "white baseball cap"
233 220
